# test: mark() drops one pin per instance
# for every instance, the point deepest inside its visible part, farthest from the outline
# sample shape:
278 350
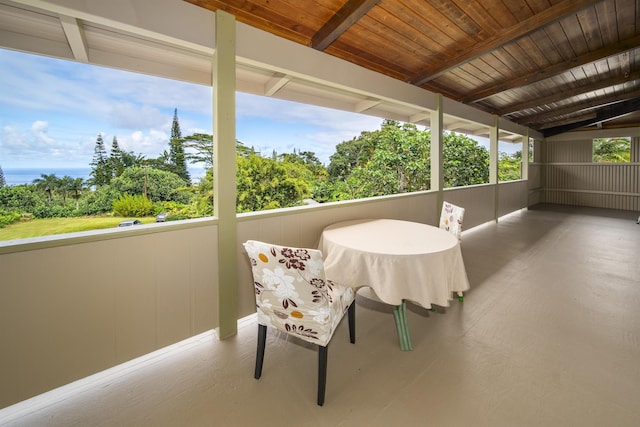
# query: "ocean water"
19 176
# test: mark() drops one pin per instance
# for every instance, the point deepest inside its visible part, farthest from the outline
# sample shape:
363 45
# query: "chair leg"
262 338
322 373
352 322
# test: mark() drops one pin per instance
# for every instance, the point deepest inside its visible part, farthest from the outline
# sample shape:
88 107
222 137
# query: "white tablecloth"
397 259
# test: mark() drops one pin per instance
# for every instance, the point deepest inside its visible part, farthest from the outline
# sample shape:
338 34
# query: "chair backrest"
292 293
451 219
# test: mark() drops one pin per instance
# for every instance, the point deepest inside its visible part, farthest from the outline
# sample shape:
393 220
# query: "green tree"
77 187
100 171
264 183
64 187
399 163
116 161
21 198
203 198
177 157
47 183
156 184
3 182
352 154
99 201
612 150
396 159
509 166
315 173
161 162
465 162
201 148
131 159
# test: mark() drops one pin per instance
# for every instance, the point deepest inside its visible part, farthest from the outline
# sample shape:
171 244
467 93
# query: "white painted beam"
366 104
75 37
275 84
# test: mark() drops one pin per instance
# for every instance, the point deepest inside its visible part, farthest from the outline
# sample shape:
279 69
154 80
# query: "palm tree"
77 186
64 187
47 183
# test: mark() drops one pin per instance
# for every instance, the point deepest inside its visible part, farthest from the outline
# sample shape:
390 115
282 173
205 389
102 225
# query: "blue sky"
51 112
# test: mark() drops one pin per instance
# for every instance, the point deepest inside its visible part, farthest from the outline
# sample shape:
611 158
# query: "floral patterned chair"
294 296
451 219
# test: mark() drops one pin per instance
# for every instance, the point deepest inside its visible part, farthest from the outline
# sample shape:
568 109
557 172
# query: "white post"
224 168
493 162
437 173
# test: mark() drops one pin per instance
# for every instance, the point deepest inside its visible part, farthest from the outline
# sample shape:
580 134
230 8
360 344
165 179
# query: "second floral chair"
451 218
294 296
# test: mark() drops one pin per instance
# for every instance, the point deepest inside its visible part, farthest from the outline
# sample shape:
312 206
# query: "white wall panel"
70 311
512 196
478 201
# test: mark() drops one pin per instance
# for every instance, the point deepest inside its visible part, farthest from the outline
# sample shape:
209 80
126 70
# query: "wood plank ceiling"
552 65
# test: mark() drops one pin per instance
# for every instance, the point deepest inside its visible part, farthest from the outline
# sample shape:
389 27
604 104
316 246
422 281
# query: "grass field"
49 226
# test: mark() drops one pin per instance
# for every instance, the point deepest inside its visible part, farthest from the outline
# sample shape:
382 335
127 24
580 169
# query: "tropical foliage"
128 205
393 159
509 166
612 150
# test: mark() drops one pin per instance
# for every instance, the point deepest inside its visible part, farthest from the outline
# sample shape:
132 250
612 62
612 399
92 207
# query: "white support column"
524 165
437 173
224 168
493 161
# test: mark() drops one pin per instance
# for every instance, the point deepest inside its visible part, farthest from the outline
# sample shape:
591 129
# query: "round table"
400 260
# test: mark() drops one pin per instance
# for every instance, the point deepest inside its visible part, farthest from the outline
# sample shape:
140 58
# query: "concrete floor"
548 335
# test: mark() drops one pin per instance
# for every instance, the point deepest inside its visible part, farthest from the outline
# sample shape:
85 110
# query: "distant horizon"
26 175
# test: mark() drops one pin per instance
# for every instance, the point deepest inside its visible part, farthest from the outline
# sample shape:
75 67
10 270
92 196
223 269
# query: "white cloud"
39 130
128 116
304 127
34 147
65 104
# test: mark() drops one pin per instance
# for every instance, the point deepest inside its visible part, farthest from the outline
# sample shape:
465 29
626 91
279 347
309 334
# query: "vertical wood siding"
572 178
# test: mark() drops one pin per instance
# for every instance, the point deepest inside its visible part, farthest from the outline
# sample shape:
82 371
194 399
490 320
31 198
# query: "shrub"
7 218
128 205
21 198
55 211
99 201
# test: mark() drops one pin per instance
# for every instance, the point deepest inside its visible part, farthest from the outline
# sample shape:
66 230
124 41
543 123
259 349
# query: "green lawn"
49 226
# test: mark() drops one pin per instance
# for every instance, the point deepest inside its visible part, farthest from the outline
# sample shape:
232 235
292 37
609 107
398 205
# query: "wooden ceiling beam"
578 107
506 36
570 93
259 15
343 19
602 115
545 73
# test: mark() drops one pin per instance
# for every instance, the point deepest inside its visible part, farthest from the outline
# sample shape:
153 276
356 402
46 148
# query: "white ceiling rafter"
365 105
418 117
276 83
74 33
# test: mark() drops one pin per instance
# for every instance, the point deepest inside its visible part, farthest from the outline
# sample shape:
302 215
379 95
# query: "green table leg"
400 316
